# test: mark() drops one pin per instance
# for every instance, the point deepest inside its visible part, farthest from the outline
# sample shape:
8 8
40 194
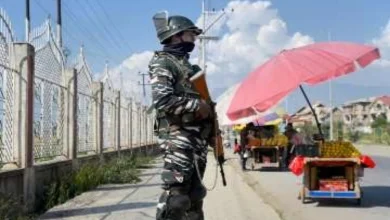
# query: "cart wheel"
280 167
359 201
303 196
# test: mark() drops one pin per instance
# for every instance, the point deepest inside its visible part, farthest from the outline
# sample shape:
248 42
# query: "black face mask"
187 47
180 49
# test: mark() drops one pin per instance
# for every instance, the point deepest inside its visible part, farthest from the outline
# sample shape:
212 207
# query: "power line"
85 29
113 24
41 6
73 17
97 26
112 36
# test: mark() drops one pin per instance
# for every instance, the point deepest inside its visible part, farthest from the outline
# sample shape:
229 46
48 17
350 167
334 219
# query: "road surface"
235 202
280 189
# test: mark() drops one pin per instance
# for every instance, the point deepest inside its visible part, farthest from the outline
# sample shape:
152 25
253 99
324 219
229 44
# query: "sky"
122 32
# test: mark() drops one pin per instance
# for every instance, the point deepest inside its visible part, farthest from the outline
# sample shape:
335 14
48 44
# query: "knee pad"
179 203
162 206
198 194
172 206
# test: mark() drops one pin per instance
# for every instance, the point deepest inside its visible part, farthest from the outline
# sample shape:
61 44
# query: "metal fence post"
131 125
118 120
146 126
140 124
100 122
75 136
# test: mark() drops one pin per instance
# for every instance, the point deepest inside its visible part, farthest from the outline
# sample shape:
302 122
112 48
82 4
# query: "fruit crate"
333 185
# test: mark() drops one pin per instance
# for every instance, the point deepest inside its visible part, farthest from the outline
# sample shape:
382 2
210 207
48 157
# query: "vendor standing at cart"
290 132
244 144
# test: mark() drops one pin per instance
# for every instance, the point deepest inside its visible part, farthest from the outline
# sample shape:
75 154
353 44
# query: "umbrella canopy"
311 64
223 102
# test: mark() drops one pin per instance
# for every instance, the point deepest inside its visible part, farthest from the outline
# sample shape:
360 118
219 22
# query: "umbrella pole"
311 107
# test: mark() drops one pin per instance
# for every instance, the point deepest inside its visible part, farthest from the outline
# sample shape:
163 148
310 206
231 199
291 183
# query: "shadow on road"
373 196
376 196
149 174
96 210
121 187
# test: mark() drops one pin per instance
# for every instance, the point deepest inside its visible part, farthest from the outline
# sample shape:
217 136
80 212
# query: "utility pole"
59 24
330 104
203 37
121 77
286 103
143 84
28 23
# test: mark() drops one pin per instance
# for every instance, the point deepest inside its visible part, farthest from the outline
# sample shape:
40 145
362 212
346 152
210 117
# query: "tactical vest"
182 71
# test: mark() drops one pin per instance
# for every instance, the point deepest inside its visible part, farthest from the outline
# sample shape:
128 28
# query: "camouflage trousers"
182 198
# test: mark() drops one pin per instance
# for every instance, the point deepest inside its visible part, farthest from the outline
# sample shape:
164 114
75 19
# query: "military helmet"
166 26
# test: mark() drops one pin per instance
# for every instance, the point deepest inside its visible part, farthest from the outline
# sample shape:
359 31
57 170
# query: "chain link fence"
86 107
49 94
68 108
109 114
7 105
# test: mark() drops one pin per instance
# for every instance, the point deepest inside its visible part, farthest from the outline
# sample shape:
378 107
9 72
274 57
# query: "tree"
380 122
353 135
339 129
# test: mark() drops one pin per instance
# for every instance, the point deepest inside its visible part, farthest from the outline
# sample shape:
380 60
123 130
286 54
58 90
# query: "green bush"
89 176
354 136
9 207
385 138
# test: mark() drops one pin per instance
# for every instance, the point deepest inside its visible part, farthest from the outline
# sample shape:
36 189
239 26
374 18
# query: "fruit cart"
335 178
267 152
334 174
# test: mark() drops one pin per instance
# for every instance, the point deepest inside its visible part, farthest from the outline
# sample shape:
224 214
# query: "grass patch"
88 177
10 208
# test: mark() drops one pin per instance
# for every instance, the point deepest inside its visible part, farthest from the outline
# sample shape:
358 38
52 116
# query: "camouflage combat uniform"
176 102
183 138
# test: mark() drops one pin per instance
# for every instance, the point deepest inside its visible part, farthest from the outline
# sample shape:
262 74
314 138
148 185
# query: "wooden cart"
265 156
317 171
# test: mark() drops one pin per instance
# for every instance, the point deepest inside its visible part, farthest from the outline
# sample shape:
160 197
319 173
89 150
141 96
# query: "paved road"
280 189
237 201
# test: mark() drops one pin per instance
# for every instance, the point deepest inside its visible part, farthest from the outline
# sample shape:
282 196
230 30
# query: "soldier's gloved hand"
203 111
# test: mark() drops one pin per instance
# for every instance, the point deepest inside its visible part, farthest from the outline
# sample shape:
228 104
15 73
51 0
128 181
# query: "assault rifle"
200 84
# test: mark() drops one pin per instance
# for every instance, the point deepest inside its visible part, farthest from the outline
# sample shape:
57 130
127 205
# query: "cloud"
383 42
377 73
130 69
249 35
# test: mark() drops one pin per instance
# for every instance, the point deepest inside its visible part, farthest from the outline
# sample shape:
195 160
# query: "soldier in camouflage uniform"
182 120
